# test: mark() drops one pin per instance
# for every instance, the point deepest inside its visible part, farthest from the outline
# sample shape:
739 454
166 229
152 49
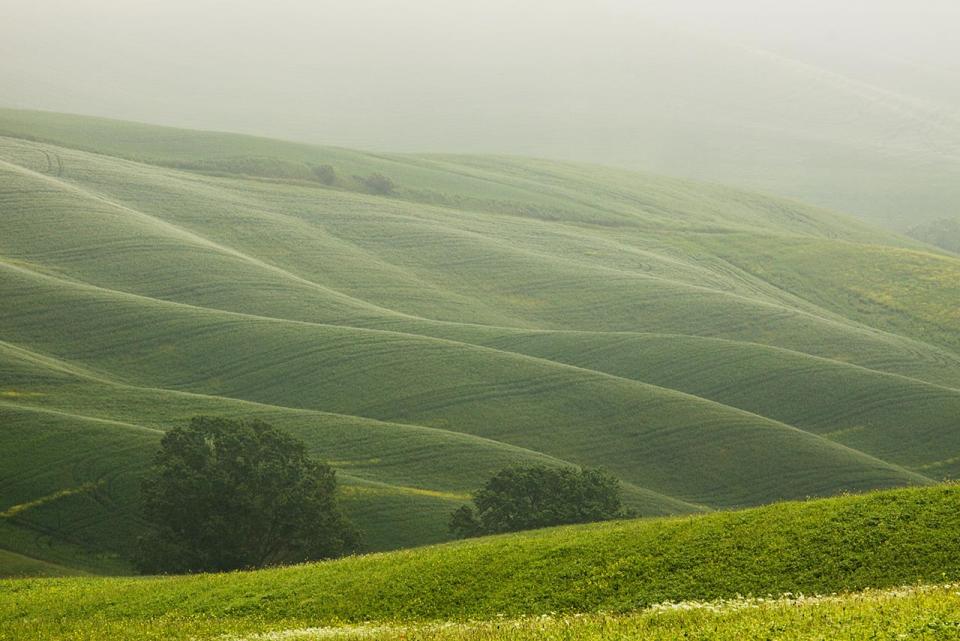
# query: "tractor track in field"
54 163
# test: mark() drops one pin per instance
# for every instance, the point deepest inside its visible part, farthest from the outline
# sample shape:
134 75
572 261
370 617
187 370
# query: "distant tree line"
276 168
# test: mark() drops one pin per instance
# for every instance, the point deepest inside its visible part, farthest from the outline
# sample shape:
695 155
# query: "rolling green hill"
710 347
881 540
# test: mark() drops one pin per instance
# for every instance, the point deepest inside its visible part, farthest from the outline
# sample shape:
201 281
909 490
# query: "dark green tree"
524 498
225 495
464 523
325 174
378 184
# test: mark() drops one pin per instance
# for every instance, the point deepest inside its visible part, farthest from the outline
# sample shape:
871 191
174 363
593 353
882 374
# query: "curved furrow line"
197 239
742 329
752 301
378 331
241 322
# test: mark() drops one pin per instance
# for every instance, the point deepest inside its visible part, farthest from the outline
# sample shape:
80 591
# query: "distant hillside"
943 233
881 540
767 97
423 321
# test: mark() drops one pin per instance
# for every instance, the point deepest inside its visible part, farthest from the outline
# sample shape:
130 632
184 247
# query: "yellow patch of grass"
387 490
354 462
50 498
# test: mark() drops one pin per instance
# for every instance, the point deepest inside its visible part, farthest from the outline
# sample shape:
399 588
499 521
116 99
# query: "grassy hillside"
709 347
17 565
924 612
943 233
912 612
881 540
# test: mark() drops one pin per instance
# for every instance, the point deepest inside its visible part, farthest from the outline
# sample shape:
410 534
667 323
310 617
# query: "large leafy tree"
225 495
524 498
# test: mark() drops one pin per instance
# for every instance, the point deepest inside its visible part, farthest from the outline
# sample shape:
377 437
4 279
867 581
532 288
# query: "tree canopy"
523 498
225 494
378 184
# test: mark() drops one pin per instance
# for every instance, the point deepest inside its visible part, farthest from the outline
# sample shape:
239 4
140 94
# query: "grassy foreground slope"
488 311
925 612
879 540
921 612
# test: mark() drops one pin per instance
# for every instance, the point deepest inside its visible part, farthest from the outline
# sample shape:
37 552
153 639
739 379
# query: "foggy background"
853 104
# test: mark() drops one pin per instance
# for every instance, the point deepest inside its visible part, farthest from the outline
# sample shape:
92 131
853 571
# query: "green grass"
916 612
17 565
706 345
907 291
880 540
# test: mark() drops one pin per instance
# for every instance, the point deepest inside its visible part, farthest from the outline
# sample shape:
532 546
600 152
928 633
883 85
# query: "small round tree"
524 498
225 495
378 184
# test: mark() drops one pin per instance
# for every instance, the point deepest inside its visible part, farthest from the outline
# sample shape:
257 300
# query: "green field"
916 612
921 612
926 613
710 347
728 571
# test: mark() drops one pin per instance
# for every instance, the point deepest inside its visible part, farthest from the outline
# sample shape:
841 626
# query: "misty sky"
323 69
707 88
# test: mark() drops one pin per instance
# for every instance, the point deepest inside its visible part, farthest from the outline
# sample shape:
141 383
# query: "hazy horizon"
769 95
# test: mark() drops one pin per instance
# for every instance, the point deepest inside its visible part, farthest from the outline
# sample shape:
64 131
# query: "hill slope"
708 346
882 540
943 233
